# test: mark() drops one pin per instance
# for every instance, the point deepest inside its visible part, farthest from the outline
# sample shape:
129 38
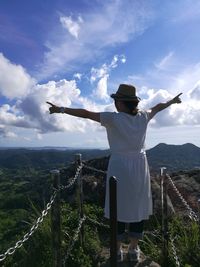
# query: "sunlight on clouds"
14 80
186 113
31 111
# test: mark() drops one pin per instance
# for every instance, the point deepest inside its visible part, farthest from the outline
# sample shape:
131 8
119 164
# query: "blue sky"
76 53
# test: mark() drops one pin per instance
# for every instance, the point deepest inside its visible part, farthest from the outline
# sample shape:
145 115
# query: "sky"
75 53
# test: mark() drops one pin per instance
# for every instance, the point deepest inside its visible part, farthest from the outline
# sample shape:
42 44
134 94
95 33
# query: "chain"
97 223
174 252
74 239
62 187
94 169
192 215
19 243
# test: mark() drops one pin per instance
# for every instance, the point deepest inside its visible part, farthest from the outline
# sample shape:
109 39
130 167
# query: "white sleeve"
147 114
107 118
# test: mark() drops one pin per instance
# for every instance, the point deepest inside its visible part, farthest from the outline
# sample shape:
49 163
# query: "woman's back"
126 133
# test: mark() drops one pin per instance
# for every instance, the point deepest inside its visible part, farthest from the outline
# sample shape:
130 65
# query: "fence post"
56 221
113 220
199 212
164 207
78 160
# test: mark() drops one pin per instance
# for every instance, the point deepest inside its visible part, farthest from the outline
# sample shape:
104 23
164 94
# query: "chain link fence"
44 213
192 214
174 252
19 243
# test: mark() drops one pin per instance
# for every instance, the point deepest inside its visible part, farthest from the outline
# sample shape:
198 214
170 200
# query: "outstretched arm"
154 110
81 113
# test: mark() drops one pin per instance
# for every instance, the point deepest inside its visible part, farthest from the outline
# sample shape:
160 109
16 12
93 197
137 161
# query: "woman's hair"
132 106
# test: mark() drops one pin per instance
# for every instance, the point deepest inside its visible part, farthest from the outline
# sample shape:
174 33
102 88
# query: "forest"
26 187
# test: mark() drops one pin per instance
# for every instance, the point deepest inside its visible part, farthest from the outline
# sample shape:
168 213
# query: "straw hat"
126 92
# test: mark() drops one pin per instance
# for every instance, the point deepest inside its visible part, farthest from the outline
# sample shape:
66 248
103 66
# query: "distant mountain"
174 157
44 158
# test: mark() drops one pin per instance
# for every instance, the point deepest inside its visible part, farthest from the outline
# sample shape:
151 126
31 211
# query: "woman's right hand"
176 99
53 108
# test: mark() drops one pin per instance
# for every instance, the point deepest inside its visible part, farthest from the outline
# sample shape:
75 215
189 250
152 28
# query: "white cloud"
15 82
174 76
98 73
186 113
101 75
101 90
162 83
77 76
123 59
195 92
5 133
62 93
31 111
39 136
72 26
184 11
164 63
9 116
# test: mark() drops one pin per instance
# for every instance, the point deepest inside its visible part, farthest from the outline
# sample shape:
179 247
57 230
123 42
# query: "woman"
126 132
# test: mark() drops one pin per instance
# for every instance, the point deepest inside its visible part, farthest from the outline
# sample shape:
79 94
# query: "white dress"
126 136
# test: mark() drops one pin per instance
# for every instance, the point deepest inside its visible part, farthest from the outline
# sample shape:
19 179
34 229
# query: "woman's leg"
135 233
120 233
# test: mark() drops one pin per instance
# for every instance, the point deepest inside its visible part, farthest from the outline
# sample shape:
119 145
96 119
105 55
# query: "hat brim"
117 97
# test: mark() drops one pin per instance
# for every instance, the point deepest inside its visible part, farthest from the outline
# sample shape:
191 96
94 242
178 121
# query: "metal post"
113 220
78 160
166 230
164 207
56 221
162 173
